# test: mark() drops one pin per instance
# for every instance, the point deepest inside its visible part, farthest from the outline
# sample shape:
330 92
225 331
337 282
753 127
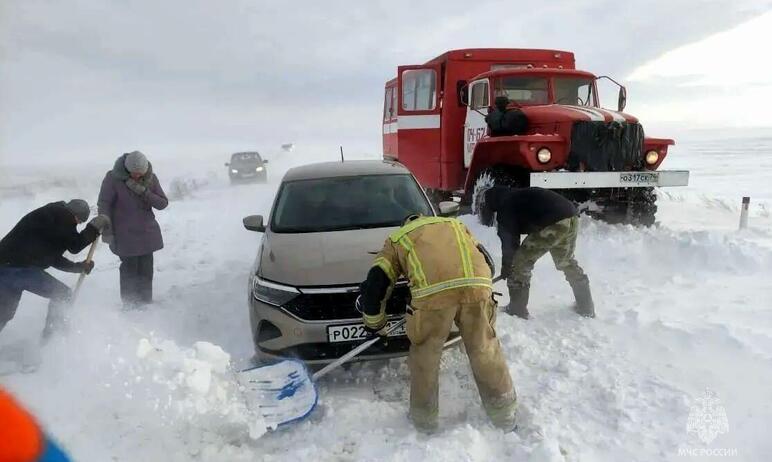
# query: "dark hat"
79 208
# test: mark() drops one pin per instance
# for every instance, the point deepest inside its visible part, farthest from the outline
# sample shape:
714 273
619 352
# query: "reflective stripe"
385 265
419 278
452 284
398 234
463 249
374 321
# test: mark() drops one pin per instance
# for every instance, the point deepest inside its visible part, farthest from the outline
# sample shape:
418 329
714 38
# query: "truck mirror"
254 223
622 101
227 164
462 89
448 208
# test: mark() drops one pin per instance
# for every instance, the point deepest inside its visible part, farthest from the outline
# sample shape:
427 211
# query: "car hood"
320 259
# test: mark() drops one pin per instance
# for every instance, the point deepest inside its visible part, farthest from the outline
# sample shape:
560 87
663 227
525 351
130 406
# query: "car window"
246 157
336 204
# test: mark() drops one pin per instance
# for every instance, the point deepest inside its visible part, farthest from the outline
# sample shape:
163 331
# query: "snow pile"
199 387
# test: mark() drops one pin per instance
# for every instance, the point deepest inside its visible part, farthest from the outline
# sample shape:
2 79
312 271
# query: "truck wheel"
488 178
643 207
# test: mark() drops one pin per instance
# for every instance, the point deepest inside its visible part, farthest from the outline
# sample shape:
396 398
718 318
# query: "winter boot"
584 305
518 302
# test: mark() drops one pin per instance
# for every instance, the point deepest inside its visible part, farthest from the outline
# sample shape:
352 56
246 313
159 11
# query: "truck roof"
535 71
347 168
566 58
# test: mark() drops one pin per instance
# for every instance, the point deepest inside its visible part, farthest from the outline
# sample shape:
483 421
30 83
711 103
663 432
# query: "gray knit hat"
79 208
136 162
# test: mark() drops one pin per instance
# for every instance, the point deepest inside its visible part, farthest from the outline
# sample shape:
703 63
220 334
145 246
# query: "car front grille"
606 147
328 306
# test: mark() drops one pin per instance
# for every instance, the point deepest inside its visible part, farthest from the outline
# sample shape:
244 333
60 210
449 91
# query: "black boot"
584 305
518 302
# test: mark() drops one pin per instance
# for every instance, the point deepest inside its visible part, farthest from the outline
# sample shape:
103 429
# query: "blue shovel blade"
282 392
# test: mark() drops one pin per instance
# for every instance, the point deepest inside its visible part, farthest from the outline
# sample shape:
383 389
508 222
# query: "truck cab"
435 124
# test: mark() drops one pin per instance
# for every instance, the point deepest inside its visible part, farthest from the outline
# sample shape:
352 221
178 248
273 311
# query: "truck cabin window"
419 90
575 91
480 95
523 89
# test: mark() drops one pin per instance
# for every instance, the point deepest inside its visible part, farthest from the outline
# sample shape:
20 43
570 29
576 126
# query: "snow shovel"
55 317
285 392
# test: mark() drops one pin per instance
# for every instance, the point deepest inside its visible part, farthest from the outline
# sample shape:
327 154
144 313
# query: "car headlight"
544 155
652 157
233 170
272 293
259 169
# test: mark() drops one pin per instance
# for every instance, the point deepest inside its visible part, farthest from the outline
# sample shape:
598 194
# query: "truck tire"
489 177
643 207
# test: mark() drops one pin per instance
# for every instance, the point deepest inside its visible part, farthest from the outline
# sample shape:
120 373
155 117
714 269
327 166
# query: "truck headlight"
233 170
272 293
652 157
259 169
544 155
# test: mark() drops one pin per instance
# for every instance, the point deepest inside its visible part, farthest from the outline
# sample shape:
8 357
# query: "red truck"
434 123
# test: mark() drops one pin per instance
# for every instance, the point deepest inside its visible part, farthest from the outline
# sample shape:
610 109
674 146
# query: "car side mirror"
448 209
622 101
227 164
254 223
265 161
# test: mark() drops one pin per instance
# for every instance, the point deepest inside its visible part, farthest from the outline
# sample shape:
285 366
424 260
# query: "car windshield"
344 203
575 91
523 89
246 157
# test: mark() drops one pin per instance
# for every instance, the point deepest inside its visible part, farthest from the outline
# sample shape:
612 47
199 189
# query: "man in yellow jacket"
450 282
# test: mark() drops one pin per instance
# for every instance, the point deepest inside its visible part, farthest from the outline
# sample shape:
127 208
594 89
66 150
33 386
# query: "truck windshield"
523 89
345 203
575 91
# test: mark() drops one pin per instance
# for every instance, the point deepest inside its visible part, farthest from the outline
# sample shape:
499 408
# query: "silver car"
326 225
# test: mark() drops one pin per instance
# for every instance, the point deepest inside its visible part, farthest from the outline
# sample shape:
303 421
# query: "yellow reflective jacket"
436 254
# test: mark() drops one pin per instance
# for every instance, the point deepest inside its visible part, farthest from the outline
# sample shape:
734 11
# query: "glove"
506 272
373 331
100 222
136 187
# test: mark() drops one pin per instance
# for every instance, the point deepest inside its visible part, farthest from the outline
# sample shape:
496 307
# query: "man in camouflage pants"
551 223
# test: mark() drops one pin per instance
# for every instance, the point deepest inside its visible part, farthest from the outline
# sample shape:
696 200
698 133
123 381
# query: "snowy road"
682 308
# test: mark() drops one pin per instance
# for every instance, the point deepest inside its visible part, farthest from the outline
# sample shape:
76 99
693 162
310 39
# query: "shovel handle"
82 276
344 359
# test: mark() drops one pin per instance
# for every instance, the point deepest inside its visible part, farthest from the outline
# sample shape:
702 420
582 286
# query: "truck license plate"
354 332
639 178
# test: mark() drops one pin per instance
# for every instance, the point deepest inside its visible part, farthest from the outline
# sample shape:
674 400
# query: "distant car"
327 223
247 166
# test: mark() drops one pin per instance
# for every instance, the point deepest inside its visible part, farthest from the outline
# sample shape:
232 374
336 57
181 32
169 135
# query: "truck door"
475 126
419 108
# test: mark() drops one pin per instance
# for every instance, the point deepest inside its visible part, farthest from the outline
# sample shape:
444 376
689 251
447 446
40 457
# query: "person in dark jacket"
506 122
36 243
551 223
129 193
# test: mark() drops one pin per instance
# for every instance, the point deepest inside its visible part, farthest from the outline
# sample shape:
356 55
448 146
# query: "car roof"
244 152
347 168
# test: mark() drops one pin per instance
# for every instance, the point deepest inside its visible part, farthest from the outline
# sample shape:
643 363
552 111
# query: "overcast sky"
99 78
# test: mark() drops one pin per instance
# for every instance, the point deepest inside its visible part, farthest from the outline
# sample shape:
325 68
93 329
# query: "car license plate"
639 178
355 332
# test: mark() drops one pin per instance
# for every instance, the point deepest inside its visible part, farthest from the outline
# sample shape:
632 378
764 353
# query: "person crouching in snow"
552 225
36 243
129 193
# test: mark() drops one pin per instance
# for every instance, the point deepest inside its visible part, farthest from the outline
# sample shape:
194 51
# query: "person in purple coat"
129 193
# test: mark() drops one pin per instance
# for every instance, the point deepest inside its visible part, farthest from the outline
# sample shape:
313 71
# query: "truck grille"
606 147
330 306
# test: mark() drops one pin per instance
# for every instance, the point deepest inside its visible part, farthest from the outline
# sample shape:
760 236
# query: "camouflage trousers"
559 240
428 327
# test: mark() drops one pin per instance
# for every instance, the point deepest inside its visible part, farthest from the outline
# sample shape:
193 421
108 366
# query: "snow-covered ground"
683 310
